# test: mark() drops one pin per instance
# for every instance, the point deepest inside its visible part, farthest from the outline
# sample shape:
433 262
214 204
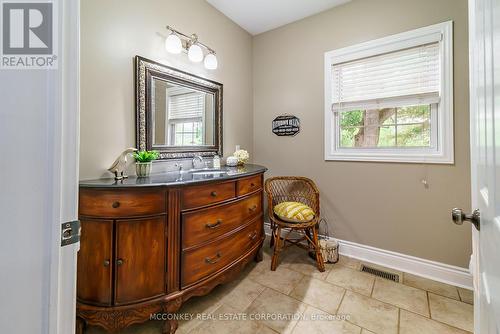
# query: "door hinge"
70 233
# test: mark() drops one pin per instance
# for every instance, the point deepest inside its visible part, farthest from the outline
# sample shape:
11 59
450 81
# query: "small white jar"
232 161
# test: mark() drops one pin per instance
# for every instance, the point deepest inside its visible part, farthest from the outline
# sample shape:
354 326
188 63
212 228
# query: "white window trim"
443 150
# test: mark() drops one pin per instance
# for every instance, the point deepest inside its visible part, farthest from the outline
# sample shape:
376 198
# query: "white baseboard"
410 264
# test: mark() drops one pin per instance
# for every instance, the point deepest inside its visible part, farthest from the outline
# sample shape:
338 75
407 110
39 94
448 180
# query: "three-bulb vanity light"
176 42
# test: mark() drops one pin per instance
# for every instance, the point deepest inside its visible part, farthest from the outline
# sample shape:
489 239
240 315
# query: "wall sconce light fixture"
177 41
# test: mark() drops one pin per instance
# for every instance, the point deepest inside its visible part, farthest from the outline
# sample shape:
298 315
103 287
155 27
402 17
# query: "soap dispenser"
216 163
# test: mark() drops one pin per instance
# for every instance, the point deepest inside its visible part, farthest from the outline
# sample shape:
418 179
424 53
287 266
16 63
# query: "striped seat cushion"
294 212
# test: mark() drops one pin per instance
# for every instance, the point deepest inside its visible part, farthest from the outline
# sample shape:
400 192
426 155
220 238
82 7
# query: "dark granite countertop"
176 178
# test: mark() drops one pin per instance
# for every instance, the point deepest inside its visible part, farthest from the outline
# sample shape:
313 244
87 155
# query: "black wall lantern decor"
286 125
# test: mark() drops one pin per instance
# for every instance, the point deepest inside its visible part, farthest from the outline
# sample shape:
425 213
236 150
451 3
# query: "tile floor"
344 300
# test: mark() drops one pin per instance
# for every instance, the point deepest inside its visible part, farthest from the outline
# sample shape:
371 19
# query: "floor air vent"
380 273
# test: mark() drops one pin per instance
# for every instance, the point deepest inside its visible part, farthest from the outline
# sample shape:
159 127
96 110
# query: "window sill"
391 157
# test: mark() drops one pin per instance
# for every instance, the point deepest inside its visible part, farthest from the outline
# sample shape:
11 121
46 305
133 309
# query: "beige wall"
114 31
379 204
383 205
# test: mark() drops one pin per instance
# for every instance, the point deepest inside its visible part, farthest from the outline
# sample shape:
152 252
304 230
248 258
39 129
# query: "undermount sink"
207 171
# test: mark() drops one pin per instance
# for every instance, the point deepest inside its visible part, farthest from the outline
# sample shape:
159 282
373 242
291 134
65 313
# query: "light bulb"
211 62
195 53
173 44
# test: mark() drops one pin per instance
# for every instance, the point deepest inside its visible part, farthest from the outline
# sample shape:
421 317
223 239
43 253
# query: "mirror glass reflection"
181 116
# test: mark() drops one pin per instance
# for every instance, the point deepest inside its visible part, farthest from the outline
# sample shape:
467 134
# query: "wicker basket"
329 247
329 250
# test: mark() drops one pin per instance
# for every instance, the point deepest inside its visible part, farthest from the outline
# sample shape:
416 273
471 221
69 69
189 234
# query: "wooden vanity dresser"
148 245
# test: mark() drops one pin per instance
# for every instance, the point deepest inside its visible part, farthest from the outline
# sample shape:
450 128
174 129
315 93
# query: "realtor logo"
28 35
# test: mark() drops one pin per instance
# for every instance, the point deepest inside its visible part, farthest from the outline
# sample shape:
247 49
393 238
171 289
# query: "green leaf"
146 156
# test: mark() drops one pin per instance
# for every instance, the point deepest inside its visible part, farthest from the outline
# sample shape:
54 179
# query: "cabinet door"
140 260
94 275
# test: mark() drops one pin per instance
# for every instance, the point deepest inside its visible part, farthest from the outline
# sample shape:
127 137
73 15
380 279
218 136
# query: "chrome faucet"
197 157
180 166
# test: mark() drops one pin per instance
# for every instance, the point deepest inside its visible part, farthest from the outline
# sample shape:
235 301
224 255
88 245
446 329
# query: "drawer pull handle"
252 185
213 194
253 235
214 225
115 204
106 263
253 208
214 260
119 262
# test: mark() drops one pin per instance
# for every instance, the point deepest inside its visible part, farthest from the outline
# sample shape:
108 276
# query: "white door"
38 168
484 41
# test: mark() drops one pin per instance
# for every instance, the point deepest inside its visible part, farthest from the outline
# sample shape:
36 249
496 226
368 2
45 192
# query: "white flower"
242 156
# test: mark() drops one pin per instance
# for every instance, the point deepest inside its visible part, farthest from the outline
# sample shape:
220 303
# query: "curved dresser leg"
169 326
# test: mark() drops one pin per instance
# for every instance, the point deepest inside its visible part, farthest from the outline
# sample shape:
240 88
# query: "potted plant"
144 161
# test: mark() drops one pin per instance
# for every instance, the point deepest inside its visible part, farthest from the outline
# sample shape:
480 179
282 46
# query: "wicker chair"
296 189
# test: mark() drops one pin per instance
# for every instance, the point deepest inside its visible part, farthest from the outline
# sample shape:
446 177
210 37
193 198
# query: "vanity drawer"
115 203
248 185
206 224
202 262
198 196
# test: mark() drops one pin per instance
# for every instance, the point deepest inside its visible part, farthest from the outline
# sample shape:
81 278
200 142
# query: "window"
187 133
185 119
401 127
391 99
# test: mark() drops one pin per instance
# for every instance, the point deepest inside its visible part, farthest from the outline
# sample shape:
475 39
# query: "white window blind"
410 76
186 106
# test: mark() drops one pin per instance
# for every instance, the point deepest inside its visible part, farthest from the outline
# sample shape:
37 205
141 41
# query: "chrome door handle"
458 217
